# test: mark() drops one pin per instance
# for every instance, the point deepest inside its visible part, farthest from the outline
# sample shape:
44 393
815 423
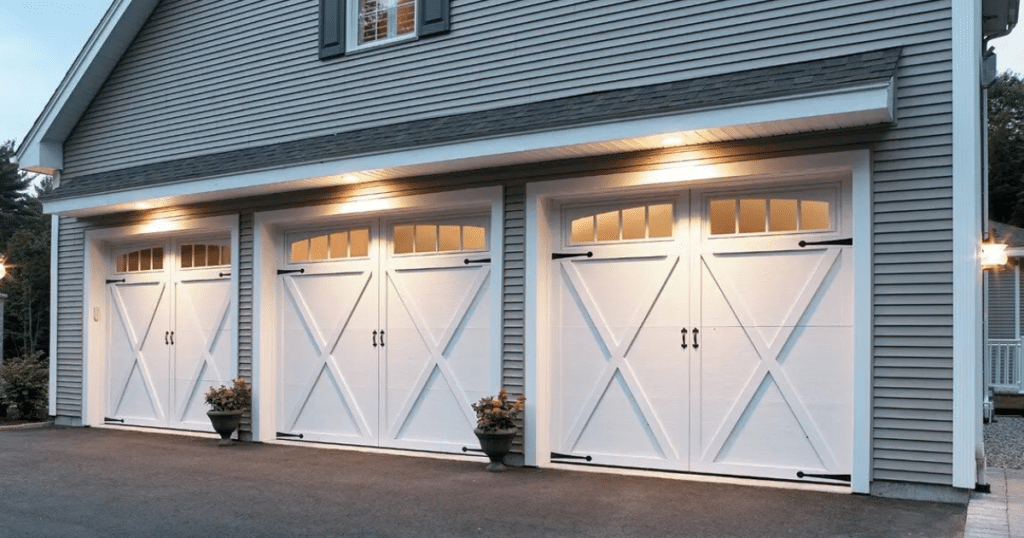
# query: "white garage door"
695 333
169 332
386 332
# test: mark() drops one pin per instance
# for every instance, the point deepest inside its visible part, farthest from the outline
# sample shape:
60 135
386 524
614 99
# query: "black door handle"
382 338
695 344
167 334
172 338
684 338
374 338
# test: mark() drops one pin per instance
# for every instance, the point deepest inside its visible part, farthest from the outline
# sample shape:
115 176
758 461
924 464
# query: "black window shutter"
332 28
433 16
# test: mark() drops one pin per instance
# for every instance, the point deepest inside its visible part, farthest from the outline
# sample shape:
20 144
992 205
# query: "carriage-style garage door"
169 333
386 332
708 332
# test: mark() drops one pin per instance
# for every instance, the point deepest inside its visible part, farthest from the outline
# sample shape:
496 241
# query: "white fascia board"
42 150
849 107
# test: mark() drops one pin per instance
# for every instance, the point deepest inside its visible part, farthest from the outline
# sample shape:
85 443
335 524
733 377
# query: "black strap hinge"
290 271
557 456
561 255
468 261
108 419
838 477
122 281
848 242
282 435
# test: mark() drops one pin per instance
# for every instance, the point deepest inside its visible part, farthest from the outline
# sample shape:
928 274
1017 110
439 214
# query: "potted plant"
496 426
227 405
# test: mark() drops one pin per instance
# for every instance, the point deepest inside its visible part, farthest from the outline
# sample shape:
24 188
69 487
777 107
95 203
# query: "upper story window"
380 20
347 25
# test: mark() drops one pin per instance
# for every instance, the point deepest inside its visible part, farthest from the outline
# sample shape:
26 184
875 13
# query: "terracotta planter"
225 423
496 444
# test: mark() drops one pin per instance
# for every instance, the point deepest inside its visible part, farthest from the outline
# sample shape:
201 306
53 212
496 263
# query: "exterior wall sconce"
3 271
993 255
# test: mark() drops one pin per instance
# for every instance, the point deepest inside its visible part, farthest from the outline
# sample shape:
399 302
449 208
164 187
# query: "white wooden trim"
266 259
967 226
539 201
97 244
864 105
863 321
54 266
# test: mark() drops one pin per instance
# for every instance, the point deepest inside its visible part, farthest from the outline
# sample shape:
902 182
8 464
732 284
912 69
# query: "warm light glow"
349 178
142 206
671 141
3 271
993 254
159 226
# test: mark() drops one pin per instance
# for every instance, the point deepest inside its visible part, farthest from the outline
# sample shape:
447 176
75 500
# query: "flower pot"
496 444
225 423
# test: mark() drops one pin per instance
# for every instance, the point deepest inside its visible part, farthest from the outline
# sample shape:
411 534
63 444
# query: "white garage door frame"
266 255
541 197
95 313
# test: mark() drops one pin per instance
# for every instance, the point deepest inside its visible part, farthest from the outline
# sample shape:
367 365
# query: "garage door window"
147 259
769 214
334 245
432 238
629 224
195 256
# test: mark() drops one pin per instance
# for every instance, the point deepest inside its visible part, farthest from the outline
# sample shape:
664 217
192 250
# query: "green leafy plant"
497 413
24 382
237 397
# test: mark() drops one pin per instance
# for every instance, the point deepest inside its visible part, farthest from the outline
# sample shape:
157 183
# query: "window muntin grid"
333 245
634 223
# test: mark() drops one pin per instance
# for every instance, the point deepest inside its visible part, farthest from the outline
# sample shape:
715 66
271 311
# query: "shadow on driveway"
100 482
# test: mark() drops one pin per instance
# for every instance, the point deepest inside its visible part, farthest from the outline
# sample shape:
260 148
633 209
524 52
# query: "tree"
1006 149
25 243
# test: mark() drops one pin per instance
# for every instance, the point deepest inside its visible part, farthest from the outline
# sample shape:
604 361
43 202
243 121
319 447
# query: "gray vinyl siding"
192 83
70 290
1001 304
245 301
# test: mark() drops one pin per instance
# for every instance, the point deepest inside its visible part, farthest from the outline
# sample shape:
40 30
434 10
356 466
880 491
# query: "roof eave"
42 149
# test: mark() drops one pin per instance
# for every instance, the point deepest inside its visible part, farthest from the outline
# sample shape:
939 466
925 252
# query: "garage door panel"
325 411
203 355
435 419
138 369
617 426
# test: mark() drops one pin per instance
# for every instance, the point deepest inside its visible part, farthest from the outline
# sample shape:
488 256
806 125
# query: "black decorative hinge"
561 255
848 241
108 419
468 261
222 275
290 271
282 435
838 477
467 449
557 456
122 281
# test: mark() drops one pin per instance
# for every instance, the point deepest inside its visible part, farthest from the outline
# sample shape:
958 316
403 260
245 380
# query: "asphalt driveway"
104 483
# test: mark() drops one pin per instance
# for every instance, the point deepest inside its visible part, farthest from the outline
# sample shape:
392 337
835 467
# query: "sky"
39 41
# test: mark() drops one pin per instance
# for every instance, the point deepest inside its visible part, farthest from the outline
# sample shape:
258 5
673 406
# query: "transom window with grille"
639 222
195 256
430 238
768 214
147 259
379 20
332 245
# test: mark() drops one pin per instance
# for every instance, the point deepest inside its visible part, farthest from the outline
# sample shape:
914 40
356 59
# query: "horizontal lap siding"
70 289
1001 307
192 83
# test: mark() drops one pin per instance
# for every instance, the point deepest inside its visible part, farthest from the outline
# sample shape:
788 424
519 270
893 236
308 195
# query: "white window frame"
354 26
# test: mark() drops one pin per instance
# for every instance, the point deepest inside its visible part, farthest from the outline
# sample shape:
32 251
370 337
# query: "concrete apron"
102 482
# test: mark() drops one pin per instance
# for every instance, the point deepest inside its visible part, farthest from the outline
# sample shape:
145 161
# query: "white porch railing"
1004 366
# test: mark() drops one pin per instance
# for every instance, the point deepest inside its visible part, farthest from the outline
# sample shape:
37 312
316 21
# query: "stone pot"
225 423
496 444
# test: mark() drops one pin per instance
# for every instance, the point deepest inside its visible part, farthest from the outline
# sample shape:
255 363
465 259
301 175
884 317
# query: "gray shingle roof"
592 108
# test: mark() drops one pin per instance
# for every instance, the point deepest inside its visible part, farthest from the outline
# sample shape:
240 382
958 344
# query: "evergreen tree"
25 243
1006 149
